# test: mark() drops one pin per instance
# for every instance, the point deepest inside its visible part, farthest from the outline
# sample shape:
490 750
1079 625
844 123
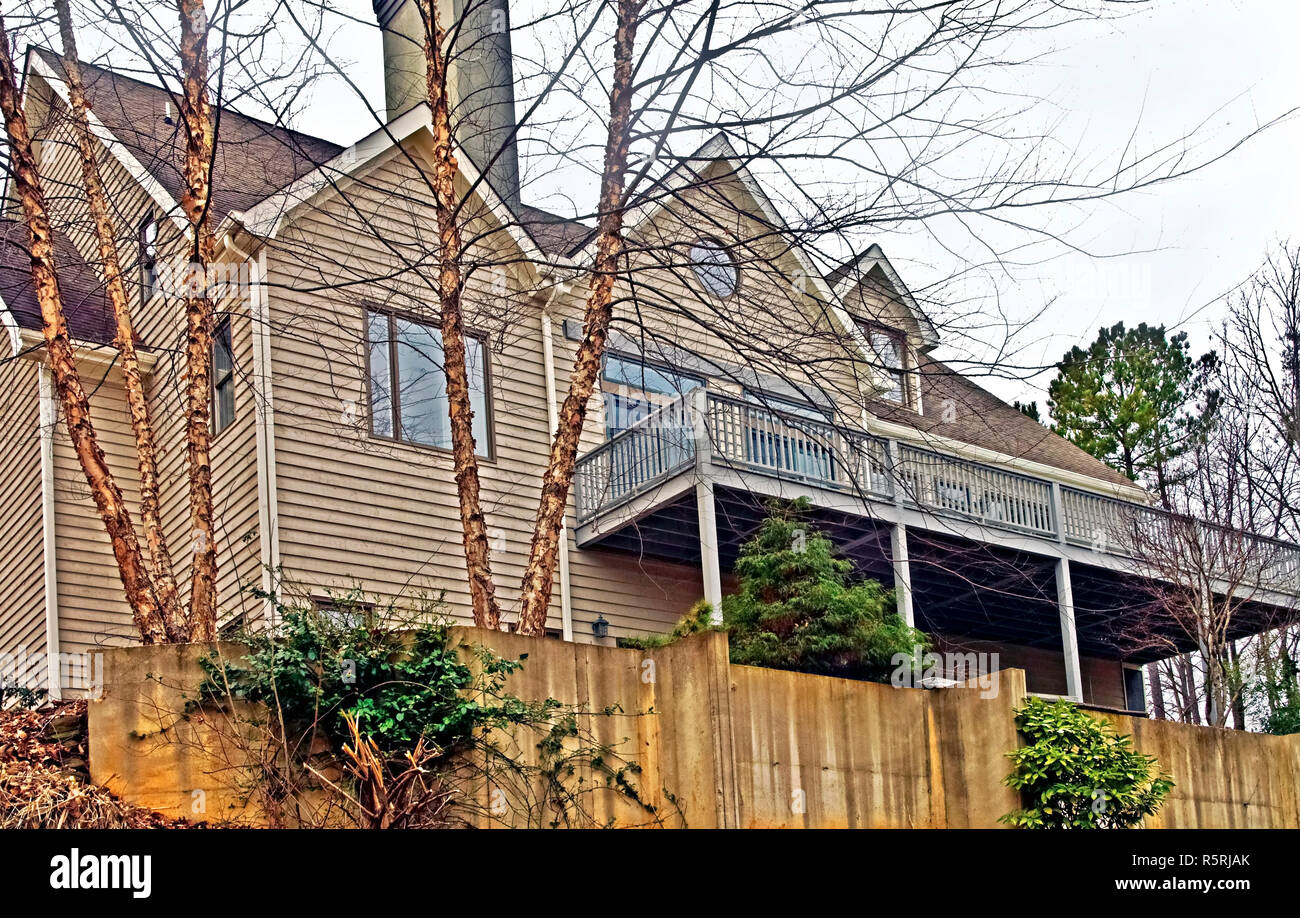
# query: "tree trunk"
1157 692
1191 710
540 573
107 495
160 561
1237 695
474 538
196 114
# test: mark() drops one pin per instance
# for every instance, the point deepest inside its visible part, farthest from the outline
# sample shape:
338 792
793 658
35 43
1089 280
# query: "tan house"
331 468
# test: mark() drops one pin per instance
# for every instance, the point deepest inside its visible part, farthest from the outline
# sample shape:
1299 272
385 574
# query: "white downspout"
49 418
264 412
553 417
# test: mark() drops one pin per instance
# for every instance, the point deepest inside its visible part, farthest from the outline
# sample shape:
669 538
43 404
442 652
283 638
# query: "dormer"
894 330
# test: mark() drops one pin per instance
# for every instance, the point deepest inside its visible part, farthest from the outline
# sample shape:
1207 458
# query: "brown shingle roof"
254 158
554 235
89 315
957 408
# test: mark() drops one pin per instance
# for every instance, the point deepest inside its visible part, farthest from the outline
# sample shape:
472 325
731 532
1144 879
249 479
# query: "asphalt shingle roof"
90 318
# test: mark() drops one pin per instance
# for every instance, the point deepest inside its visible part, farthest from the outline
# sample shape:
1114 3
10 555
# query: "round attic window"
713 265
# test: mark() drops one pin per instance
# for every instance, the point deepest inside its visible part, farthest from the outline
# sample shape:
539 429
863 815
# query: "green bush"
800 607
400 676
404 726
14 694
1078 773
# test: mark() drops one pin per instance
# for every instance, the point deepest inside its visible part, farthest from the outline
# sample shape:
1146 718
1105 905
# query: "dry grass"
43 779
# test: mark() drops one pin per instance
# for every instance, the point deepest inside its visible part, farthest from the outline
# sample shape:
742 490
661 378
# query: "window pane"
223 361
381 397
895 391
421 385
637 375
225 404
476 365
715 269
888 348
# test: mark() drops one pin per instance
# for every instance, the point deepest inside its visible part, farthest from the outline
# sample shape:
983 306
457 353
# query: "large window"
408 384
223 377
787 444
633 389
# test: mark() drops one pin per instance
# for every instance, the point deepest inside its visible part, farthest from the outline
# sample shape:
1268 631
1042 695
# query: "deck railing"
636 459
752 437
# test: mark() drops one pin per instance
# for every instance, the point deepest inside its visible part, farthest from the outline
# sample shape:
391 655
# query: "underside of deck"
962 588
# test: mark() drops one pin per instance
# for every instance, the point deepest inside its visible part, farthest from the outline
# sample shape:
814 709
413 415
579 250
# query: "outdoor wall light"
600 627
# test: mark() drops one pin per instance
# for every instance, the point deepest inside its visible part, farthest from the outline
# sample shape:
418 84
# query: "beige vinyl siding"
22 576
358 511
92 610
355 510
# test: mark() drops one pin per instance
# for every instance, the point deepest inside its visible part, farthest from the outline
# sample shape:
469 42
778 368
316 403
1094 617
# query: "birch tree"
140 590
150 585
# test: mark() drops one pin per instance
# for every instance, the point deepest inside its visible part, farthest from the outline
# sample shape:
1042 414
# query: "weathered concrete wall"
1223 778
717 745
151 746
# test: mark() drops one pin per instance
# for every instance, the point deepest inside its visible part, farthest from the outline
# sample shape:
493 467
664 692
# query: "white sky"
1156 75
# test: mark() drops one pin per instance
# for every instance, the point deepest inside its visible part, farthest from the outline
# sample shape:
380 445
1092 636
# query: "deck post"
1069 638
709 547
902 573
706 510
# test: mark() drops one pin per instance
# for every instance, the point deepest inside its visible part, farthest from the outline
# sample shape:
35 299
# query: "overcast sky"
1164 255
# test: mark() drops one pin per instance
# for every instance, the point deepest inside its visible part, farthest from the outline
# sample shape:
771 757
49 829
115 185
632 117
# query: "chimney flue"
480 79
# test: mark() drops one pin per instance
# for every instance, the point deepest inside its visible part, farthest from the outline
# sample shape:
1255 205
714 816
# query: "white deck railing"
748 436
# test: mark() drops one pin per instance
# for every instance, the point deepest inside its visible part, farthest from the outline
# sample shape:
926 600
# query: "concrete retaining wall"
718 745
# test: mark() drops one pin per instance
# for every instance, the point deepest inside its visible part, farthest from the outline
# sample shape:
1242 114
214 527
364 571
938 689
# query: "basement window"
223 378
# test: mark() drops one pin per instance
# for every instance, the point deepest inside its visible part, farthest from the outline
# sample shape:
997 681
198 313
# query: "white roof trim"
270 215
30 345
36 64
14 333
874 257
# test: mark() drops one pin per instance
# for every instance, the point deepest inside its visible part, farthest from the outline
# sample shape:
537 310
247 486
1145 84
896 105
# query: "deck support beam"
709 564
1069 637
705 505
902 573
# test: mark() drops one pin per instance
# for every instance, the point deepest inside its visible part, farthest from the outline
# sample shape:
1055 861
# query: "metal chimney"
480 79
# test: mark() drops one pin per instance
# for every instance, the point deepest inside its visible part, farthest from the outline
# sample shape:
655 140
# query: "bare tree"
1210 578
478 561
846 112
113 511
160 559
150 587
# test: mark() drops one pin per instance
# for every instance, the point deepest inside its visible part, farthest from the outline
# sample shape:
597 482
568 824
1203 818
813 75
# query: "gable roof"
254 158
848 276
957 408
90 318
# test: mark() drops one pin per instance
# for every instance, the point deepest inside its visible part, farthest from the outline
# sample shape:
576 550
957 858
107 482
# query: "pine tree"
800 607
1135 399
